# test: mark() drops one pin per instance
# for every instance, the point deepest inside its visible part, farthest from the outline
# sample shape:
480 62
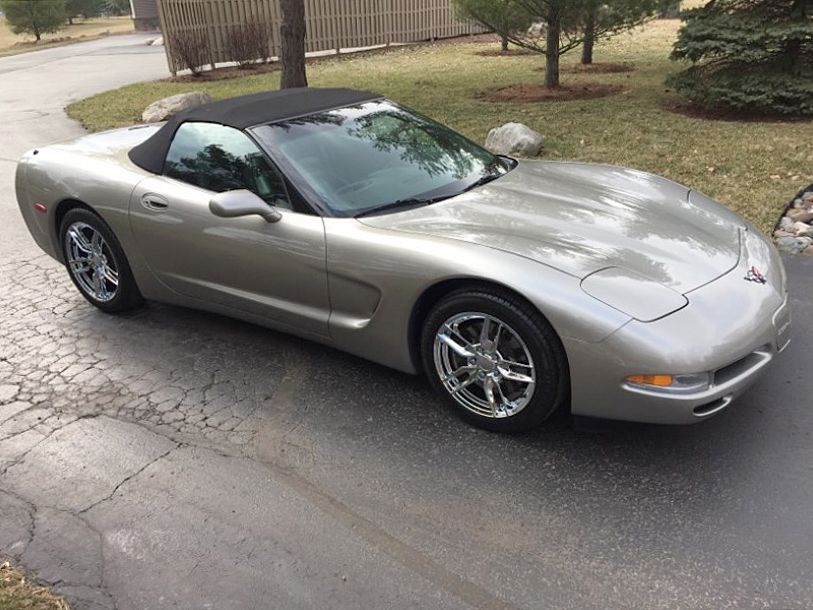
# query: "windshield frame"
306 190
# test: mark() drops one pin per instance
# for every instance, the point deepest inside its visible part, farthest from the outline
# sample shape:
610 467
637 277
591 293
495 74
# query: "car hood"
582 218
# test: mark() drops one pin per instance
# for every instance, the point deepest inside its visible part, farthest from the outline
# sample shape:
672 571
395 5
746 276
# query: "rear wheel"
496 359
96 262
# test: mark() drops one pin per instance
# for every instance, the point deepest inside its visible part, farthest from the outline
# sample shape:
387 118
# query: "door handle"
154 202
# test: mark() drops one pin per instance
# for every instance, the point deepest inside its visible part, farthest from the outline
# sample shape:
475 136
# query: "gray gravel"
176 459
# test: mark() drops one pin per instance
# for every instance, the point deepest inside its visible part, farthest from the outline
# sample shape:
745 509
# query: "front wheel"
496 359
96 262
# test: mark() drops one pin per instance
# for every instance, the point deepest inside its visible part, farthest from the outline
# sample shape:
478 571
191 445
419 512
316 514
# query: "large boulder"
515 139
165 108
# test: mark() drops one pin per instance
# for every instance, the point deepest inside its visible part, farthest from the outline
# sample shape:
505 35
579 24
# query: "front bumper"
732 328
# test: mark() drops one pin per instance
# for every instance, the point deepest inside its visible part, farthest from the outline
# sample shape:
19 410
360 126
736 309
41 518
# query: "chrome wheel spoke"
464 384
460 350
79 240
110 275
488 387
513 376
456 374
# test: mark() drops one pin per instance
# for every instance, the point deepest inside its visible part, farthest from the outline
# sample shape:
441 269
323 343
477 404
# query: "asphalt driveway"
175 459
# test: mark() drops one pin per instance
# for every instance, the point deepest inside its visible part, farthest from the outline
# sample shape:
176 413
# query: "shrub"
189 49
748 55
248 43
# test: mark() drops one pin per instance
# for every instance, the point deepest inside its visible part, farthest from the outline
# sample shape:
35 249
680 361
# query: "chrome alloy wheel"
91 262
484 365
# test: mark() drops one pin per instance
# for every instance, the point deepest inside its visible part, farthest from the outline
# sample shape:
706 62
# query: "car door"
274 270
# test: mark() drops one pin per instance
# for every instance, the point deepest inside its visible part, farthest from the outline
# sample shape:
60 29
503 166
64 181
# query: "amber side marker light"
662 381
40 207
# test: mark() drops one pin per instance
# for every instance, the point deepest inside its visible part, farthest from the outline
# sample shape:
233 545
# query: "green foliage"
748 55
35 17
84 8
117 7
554 27
502 16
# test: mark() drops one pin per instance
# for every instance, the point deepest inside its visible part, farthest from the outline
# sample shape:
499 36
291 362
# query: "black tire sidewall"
552 380
127 294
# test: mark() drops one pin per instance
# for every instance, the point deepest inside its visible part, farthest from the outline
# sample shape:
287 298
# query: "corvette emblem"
755 275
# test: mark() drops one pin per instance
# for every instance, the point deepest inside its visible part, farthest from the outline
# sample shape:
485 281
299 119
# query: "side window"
220 158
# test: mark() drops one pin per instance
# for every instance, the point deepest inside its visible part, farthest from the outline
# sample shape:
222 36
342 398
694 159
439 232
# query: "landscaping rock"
158 42
801 215
786 223
165 108
515 139
793 245
795 228
801 228
808 251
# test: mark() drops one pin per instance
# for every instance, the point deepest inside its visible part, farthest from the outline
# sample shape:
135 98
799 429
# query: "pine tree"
499 16
83 8
35 17
748 55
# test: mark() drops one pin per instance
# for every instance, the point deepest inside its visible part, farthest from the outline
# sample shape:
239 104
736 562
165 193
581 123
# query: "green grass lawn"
753 167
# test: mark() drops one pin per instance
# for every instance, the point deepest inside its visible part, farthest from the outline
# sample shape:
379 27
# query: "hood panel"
580 218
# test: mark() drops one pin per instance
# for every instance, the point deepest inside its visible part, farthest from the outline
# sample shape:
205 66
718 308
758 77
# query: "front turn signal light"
692 382
662 381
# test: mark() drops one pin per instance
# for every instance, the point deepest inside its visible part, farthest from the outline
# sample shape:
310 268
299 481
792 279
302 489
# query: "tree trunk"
292 54
552 51
589 39
37 33
504 43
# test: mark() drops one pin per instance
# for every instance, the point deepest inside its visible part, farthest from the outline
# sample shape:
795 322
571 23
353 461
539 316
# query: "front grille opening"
735 369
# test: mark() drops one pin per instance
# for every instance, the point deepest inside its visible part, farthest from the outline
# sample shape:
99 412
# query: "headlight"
677 384
633 294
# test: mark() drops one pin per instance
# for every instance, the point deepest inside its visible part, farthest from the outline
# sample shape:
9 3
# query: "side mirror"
233 204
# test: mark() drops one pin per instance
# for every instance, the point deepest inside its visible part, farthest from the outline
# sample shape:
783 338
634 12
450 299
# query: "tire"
525 339
100 253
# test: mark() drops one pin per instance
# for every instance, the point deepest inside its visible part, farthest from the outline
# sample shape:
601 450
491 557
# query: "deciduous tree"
292 53
35 17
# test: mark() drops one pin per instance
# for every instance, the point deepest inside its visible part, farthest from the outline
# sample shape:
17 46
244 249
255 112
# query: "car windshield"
376 157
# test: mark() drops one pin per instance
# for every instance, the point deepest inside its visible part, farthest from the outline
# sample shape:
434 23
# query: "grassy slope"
87 29
18 593
753 167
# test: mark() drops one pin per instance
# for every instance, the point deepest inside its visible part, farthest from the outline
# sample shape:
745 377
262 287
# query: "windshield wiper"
409 202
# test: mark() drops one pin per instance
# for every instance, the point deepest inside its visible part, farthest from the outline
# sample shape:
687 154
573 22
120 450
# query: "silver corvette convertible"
518 287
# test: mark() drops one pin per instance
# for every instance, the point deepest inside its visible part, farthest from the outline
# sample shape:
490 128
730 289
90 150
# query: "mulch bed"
533 92
225 73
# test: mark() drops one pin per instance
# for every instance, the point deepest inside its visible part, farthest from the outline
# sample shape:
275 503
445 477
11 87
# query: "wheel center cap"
485 363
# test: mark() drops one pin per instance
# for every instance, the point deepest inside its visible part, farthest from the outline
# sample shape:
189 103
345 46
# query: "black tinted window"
219 158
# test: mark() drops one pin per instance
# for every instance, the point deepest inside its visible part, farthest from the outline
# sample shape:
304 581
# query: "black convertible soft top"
245 111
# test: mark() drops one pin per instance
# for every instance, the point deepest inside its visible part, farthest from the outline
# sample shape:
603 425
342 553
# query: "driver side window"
219 159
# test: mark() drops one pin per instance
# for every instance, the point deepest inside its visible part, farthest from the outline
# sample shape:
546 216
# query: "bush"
748 55
248 43
761 89
190 50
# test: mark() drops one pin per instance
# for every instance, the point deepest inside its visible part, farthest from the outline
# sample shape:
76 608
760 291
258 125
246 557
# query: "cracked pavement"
175 459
